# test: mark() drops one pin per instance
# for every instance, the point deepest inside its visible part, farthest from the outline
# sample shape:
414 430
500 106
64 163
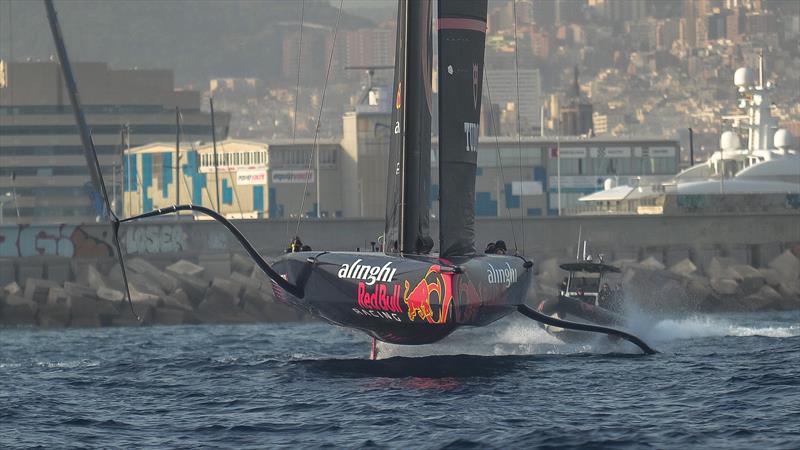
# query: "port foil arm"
248 247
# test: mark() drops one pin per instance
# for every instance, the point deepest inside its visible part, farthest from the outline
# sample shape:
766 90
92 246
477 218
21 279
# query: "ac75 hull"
404 300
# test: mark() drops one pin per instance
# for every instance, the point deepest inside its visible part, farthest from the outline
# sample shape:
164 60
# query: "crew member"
295 245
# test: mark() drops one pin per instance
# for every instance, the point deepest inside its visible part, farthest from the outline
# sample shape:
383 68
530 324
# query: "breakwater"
192 271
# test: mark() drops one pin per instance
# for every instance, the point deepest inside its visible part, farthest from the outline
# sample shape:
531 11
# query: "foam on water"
706 326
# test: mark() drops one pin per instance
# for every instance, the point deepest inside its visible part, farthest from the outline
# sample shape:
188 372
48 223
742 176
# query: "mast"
462 36
408 194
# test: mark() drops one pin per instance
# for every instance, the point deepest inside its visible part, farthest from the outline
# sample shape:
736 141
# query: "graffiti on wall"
53 240
155 239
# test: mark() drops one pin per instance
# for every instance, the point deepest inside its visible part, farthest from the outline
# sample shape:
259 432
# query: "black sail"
462 36
407 210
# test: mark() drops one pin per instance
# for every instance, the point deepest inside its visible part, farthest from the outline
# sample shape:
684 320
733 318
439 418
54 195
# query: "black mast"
462 36
407 212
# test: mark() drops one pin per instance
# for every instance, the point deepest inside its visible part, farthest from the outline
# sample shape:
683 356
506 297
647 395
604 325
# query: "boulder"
184 267
57 296
247 282
222 303
652 263
787 265
94 278
684 267
54 315
12 288
750 278
718 267
215 264
176 302
110 295
165 281
724 286
125 317
18 310
194 287
170 316
37 289
771 276
77 290
241 264
83 312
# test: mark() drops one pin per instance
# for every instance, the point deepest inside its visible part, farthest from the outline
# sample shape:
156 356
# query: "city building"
42 160
256 180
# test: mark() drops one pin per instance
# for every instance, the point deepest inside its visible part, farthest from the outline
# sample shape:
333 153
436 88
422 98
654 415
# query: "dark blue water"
719 382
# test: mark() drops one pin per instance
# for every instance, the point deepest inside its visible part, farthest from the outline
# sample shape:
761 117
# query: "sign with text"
292 176
251 177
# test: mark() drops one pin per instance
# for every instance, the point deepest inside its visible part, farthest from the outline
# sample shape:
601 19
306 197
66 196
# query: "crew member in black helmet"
500 247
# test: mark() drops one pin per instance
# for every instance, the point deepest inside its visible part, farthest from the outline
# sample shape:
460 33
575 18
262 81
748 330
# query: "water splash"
709 326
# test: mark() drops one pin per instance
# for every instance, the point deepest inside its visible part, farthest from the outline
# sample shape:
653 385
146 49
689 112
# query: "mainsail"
462 36
407 210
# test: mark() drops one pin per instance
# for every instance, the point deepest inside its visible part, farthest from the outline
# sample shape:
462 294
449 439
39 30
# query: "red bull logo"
435 289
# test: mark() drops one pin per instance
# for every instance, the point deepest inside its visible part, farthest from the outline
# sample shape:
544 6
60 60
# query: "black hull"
408 300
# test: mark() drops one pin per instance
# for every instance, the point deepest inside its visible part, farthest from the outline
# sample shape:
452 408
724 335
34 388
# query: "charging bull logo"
434 292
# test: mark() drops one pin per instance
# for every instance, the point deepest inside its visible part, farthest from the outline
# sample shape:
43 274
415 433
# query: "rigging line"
299 60
497 147
234 186
519 130
315 145
192 148
297 87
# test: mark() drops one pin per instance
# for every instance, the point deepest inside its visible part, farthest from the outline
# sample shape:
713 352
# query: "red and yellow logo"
435 288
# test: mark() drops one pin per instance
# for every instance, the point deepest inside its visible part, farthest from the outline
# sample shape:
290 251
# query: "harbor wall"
183 272
751 239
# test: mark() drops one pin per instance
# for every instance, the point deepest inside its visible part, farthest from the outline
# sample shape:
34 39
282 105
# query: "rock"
57 296
222 303
54 315
165 281
787 265
194 287
717 267
241 264
215 264
12 288
144 299
724 286
173 302
111 295
684 267
125 317
184 267
94 278
77 290
751 279
771 296
37 290
247 282
771 276
18 310
652 263
169 316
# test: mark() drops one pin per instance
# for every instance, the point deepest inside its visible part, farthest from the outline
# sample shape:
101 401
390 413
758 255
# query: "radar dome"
783 139
729 141
609 183
744 77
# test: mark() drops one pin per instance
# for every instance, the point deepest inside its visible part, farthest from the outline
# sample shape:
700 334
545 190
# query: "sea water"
729 381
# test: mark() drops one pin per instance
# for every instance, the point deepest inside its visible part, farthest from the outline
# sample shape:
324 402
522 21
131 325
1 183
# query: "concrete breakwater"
188 271
226 289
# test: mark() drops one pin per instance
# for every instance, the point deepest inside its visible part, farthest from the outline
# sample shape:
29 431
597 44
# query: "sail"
407 212
462 35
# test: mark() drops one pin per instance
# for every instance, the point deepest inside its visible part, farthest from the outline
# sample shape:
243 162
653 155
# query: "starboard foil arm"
548 320
297 291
